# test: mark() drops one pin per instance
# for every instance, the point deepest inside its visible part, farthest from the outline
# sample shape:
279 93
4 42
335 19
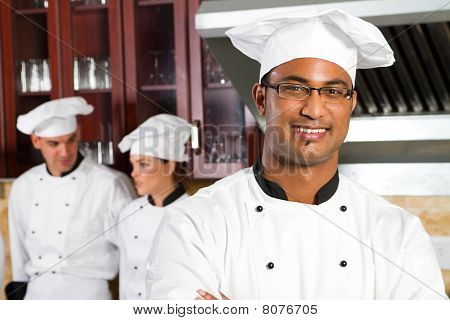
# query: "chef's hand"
207 296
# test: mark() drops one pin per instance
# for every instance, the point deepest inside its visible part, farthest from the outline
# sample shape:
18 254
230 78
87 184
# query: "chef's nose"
313 108
134 172
63 149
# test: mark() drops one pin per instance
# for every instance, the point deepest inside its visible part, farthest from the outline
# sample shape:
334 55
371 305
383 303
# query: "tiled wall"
433 211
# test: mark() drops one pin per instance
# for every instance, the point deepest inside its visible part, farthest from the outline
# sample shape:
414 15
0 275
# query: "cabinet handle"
195 137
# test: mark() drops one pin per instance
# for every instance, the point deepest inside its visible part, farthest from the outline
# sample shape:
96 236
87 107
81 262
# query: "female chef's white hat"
332 35
163 136
54 118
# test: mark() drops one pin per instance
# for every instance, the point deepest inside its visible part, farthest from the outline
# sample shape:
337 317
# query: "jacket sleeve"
182 259
419 275
19 255
122 194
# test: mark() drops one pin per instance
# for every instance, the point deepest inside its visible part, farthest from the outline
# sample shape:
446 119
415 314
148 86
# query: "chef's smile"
309 133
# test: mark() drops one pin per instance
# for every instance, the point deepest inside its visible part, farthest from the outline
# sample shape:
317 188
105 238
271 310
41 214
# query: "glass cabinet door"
224 123
29 61
93 69
156 59
223 115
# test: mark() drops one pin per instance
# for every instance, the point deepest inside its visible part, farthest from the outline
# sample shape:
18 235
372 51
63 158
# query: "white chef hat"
162 136
54 118
332 35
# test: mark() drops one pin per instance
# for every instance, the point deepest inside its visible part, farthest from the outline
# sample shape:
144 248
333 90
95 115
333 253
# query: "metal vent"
418 81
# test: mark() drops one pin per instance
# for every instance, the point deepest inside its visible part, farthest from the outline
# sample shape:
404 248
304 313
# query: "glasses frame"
276 87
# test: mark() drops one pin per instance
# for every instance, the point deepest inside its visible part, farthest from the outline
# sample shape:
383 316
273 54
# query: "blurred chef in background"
157 154
58 210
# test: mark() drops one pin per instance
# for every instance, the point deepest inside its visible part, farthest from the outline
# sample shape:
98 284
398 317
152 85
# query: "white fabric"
332 35
216 240
56 226
162 136
54 118
134 235
68 287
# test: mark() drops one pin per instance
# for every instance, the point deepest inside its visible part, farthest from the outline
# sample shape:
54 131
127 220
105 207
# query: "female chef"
157 153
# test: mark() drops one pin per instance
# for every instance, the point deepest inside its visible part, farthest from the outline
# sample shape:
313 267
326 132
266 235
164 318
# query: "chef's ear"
36 141
78 131
259 97
171 167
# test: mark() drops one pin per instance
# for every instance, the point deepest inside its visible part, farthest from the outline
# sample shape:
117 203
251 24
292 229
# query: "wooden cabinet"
130 60
93 67
29 56
2 117
54 49
156 53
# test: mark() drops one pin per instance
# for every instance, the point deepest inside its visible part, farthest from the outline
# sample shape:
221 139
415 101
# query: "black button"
270 266
53 271
135 237
67 204
141 207
33 232
36 273
60 257
40 179
36 204
139 294
259 208
343 208
343 263
59 232
39 257
135 267
74 178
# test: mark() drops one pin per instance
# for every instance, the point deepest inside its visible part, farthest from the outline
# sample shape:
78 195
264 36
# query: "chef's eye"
293 90
144 165
52 144
332 92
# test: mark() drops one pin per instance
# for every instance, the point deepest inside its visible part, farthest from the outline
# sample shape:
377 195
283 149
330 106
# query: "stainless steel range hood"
399 138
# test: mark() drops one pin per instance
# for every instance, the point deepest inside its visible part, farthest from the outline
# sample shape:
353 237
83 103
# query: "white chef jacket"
136 228
56 226
234 238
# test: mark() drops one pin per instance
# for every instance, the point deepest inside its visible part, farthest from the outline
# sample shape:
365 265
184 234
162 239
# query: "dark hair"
266 78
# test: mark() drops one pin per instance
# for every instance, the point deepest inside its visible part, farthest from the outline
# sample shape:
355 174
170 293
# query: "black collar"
178 192
80 158
273 189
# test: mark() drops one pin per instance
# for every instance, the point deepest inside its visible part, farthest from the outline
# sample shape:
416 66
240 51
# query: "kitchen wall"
433 211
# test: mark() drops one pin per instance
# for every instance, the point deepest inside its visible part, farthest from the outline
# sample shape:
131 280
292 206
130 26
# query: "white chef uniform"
137 225
240 236
56 224
235 238
163 136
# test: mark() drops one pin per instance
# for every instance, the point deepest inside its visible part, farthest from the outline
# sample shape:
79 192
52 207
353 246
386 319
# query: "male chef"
58 210
292 227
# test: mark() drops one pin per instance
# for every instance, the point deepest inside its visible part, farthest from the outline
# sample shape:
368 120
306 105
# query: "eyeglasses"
295 91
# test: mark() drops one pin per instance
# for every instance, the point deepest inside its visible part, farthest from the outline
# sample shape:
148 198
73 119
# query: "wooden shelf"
92 91
219 86
159 87
31 11
34 94
90 7
153 2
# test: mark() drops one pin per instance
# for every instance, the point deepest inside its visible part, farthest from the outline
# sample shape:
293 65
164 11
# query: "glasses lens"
334 95
293 91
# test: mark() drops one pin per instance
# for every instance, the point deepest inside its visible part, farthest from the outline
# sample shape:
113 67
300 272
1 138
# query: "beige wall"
433 211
